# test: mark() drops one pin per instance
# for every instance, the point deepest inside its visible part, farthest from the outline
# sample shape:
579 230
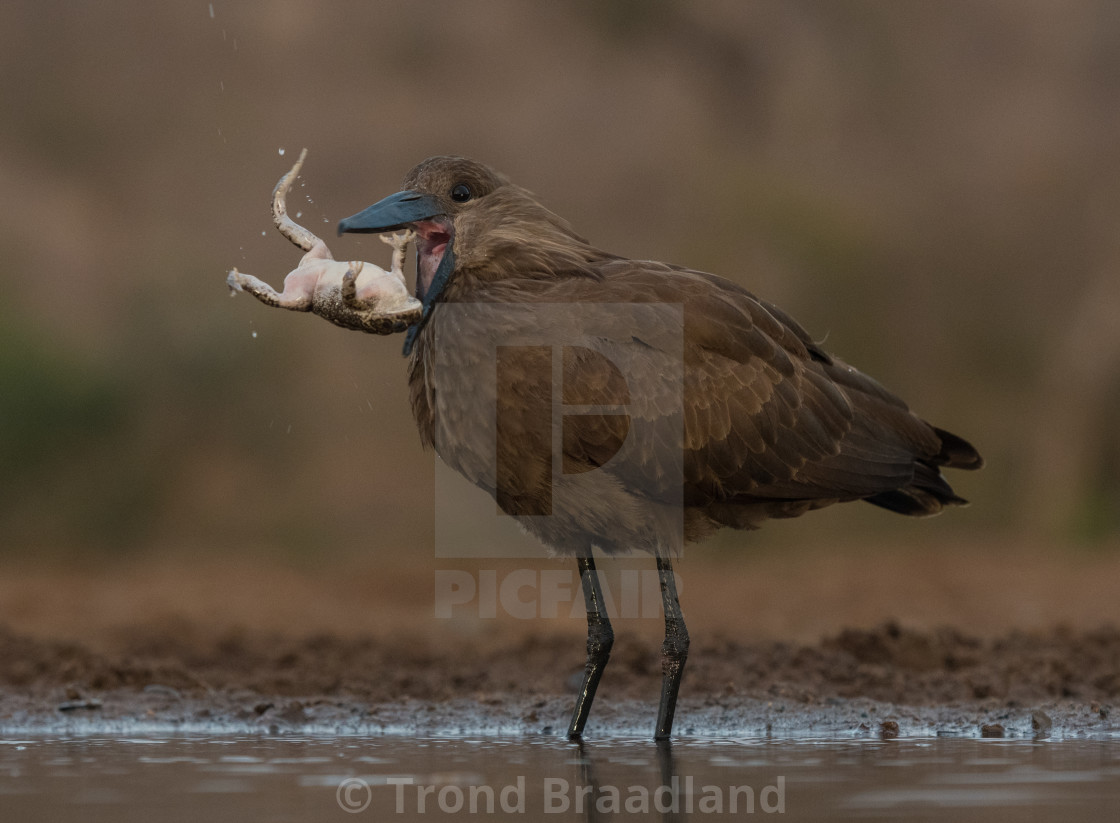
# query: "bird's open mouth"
433 238
424 214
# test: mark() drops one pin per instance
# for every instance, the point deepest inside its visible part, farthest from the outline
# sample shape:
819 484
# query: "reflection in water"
601 802
385 778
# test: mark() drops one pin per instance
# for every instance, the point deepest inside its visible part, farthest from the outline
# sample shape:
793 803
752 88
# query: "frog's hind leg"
239 281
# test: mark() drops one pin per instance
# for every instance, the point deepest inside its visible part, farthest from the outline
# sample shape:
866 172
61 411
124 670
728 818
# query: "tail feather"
956 452
927 494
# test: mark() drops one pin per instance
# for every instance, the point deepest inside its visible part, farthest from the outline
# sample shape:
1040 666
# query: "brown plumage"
771 425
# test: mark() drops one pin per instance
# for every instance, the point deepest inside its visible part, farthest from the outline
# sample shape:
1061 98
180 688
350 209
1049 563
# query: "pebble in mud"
992 730
1041 722
75 705
888 729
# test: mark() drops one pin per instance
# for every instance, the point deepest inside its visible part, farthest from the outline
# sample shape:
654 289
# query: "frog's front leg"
384 289
400 242
350 287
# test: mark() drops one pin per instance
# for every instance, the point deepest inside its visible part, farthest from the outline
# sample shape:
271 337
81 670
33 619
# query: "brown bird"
712 408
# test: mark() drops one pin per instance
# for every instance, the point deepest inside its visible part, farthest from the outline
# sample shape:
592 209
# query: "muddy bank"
944 640
1058 682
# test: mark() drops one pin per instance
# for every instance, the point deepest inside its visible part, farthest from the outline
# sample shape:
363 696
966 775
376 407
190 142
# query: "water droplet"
281 152
254 334
263 234
299 214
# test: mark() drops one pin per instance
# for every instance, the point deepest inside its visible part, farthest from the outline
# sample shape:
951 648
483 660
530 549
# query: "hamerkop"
769 424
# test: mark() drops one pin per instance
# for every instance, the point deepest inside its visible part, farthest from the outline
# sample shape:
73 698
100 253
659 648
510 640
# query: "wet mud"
962 642
885 681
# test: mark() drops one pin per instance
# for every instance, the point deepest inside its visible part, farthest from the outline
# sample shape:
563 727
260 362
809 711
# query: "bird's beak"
407 209
396 211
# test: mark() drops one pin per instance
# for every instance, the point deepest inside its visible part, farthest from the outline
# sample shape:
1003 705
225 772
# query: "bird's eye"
461 193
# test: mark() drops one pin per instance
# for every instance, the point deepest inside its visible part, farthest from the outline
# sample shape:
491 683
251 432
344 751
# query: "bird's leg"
600 638
674 651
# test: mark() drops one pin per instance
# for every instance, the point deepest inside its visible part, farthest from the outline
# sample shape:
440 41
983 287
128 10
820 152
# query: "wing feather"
769 423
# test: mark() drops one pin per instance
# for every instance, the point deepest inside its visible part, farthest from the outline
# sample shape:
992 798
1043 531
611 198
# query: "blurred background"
931 188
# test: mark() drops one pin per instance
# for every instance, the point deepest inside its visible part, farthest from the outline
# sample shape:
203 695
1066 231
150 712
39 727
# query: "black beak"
397 211
394 212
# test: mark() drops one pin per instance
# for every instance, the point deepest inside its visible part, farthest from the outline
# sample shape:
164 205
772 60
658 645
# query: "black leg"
600 638
674 651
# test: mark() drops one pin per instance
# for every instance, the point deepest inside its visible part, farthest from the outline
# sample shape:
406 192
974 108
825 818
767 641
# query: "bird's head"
438 198
468 216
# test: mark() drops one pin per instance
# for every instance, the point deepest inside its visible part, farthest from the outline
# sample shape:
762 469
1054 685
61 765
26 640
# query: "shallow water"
281 778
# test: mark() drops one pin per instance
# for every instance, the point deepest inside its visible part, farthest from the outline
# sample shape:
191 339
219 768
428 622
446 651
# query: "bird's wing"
759 413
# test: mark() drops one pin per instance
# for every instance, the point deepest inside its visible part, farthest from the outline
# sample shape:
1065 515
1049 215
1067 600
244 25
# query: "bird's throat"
433 242
435 262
